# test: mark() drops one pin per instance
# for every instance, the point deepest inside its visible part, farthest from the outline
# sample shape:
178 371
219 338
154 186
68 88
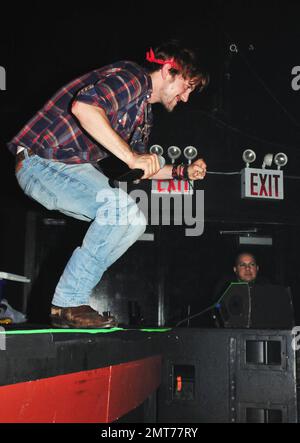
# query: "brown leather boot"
80 317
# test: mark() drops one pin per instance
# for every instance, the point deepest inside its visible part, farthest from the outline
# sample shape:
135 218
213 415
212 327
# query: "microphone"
134 174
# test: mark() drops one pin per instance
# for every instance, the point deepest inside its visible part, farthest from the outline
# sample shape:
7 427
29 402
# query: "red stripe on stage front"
94 396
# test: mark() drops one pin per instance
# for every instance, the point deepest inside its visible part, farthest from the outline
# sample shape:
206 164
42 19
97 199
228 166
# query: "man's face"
246 269
176 89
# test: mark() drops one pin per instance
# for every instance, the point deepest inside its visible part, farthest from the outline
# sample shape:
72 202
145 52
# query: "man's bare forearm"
96 123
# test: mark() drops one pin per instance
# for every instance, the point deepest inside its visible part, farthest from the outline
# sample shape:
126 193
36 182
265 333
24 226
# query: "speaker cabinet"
256 306
228 376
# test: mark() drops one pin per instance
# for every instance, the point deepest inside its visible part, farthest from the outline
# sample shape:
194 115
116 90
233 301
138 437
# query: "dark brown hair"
187 60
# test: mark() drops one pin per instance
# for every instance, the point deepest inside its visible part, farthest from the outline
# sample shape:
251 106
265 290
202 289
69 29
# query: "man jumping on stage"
107 111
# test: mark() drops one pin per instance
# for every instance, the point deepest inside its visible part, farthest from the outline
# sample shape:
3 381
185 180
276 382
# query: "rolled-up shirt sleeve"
89 96
112 93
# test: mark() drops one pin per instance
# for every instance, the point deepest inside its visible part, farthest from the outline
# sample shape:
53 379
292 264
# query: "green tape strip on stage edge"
82 331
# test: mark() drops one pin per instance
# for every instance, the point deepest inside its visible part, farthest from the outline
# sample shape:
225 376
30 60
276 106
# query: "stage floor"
76 375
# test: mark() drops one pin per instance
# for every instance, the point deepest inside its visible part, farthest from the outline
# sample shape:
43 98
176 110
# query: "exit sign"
171 187
264 184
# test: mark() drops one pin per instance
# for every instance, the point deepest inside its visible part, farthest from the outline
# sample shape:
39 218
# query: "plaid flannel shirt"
122 89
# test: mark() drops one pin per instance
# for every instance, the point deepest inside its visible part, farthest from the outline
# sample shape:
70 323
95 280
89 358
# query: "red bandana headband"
150 57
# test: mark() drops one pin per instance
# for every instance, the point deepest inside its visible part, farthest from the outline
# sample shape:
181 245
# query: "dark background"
250 103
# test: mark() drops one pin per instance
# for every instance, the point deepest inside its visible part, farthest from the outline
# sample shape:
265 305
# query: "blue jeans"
83 192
